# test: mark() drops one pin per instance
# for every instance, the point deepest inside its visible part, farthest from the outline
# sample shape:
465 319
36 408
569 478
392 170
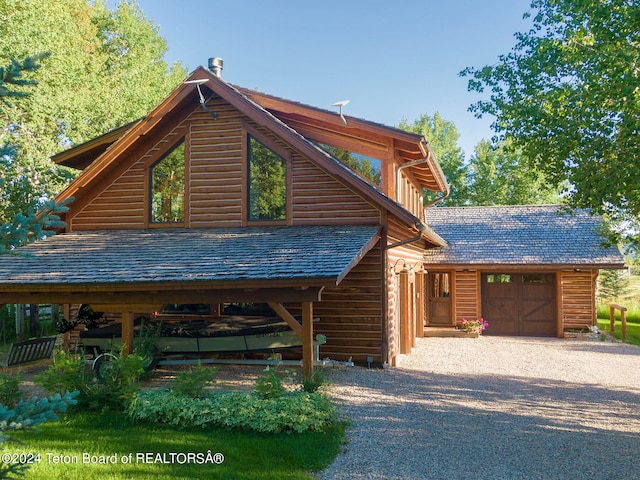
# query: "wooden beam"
287 317
307 339
154 297
118 307
127 333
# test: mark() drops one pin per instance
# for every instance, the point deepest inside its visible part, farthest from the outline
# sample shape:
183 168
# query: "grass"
632 302
246 455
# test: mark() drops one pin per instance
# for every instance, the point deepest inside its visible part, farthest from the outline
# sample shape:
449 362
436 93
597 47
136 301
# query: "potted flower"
473 326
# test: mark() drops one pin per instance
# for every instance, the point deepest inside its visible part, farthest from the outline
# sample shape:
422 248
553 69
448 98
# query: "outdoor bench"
29 351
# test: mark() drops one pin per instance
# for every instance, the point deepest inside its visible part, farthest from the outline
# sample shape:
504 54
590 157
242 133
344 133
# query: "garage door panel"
519 304
503 314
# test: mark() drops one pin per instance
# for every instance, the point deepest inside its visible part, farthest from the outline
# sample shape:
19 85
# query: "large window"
167 187
267 183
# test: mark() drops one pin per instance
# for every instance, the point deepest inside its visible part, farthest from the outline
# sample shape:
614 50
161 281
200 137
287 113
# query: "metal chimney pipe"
215 65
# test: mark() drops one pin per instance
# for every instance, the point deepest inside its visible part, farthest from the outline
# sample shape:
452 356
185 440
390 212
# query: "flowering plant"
473 326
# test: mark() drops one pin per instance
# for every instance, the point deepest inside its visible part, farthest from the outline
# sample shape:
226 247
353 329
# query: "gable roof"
183 100
529 236
369 138
158 259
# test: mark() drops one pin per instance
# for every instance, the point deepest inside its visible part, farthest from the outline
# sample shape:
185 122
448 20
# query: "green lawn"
632 302
145 451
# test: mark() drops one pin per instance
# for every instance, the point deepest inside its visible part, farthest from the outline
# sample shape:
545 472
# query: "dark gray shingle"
513 235
186 255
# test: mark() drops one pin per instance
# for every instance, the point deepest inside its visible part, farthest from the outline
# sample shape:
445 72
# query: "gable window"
267 183
168 187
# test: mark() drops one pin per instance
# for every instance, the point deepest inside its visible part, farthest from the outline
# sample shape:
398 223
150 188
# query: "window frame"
248 133
150 164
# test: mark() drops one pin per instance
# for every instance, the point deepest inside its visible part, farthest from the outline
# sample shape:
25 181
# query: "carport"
129 271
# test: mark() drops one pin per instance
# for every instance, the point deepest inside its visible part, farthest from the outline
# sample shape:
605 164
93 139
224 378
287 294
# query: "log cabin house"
223 195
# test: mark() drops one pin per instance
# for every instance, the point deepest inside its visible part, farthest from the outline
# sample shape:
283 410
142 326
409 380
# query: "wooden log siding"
466 291
578 298
319 198
402 337
216 181
350 315
217 166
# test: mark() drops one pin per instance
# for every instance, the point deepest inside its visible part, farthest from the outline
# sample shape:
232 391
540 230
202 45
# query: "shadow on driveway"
411 424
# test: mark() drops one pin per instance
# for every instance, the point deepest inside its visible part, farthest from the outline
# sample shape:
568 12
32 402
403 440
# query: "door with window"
439 298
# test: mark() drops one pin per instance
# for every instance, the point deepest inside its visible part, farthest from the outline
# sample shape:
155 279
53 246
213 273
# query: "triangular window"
168 187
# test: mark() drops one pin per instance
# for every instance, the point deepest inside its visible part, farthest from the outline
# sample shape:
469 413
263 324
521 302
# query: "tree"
443 137
499 175
27 415
568 95
37 222
105 69
361 165
612 284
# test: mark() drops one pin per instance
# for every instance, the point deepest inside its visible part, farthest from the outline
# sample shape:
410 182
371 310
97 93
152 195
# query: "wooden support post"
420 313
623 318
20 314
127 332
307 339
405 338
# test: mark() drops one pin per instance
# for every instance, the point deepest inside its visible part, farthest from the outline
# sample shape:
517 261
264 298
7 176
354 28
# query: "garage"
520 303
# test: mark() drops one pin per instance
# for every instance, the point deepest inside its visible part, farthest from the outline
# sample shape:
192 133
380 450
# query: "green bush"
10 393
269 384
117 385
316 381
194 381
65 374
296 411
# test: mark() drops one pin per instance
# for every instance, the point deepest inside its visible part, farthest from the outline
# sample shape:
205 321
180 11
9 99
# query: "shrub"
194 381
269 384
117 384
296 411
65 374
10 393
27 415
316 381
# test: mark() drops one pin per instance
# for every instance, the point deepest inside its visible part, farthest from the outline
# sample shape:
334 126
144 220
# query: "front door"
439 295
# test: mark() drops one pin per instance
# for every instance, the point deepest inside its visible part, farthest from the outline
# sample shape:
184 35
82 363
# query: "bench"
29 351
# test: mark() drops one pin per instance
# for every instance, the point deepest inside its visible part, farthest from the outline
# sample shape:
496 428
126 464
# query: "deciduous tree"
499 176
443 137
105 69
568 95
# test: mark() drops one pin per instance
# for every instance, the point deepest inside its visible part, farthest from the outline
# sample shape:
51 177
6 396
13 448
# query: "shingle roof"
514 235
190 255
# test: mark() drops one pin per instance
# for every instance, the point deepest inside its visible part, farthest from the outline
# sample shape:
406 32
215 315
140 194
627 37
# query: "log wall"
216 186
466 295
578 309
350 315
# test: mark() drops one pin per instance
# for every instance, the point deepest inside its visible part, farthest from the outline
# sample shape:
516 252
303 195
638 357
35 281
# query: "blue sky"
391 59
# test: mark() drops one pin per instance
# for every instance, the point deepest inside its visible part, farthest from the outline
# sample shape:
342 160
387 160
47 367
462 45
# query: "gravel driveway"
494 408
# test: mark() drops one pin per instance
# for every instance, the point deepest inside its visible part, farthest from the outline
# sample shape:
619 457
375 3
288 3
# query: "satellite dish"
341 104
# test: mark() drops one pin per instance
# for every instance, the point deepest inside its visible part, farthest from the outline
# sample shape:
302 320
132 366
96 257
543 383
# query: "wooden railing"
623 319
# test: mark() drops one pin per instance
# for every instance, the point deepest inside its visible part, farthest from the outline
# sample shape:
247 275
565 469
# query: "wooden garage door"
519 303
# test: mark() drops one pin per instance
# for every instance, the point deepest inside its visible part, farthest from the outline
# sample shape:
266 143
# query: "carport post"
307 339
127 332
